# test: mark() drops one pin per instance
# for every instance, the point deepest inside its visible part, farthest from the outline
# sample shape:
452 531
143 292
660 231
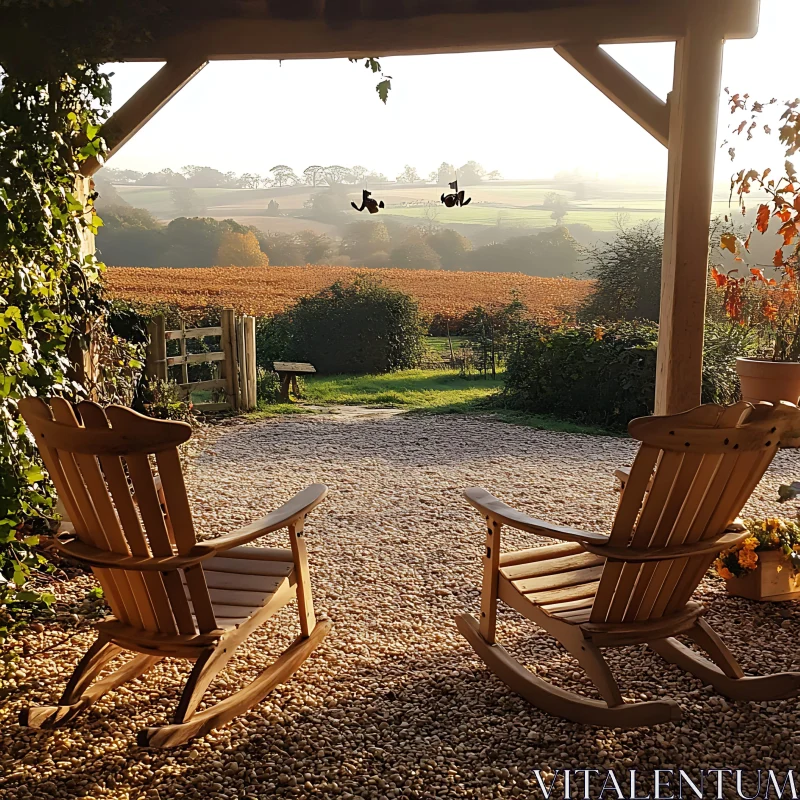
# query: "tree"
207 177
272 208
240 250
249 180
359 173
376 177
470 173
329 204
130 237
185 202
125 176
335 173
415 254
166 177
318 247
551 253
494 175
314 175
409 175
283 175
450 246
296 249
627 275
363 238
559 204
445 174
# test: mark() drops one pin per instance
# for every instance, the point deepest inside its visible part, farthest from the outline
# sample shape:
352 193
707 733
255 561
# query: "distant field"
265 290
502 203
599 220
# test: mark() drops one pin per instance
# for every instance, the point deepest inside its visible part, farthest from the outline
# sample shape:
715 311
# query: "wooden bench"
288 372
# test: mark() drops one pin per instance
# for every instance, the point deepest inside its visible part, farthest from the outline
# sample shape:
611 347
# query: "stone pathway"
395 704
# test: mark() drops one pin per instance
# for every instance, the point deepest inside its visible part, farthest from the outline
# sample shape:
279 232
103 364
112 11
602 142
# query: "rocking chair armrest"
492 508
293 510
96 557
640 555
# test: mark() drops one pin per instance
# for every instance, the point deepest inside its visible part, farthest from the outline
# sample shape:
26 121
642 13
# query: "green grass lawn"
420 391
439 390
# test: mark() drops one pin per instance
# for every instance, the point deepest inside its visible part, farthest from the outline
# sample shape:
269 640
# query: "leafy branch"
383 86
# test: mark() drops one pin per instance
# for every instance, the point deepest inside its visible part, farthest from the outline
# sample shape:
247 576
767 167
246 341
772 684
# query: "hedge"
605 375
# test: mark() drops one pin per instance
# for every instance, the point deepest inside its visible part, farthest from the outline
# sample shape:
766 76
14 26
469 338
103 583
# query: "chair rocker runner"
691 477
170 596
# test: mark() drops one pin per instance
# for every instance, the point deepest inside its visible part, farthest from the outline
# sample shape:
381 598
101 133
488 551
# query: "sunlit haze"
525 113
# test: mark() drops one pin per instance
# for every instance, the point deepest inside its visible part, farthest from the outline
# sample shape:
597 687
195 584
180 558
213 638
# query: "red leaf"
720 278
777 259
762 218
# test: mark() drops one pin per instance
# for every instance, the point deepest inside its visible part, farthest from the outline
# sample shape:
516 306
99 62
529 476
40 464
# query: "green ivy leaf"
34 474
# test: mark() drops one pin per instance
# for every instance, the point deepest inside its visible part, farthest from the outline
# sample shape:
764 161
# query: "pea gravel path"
395 704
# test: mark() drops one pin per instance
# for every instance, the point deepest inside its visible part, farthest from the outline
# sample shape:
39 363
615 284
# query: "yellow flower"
750 543
748 559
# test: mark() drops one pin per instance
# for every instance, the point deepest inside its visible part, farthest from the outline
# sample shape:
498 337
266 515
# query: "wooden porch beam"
619 86
151 97
694 103
607 22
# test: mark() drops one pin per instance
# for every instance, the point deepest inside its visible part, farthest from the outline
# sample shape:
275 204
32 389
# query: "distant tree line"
133 237
200 177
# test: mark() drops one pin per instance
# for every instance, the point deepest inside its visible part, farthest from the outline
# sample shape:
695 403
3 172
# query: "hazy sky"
526 113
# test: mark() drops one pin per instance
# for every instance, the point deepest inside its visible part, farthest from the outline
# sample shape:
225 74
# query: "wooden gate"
235 360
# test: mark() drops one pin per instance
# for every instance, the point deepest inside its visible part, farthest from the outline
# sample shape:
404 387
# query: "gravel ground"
395 703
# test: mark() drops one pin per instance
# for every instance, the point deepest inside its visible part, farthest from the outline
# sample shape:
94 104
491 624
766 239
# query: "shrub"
363 327
605 375
273 340
627 274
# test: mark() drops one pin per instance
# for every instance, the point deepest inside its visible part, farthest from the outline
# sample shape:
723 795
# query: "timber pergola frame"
686 124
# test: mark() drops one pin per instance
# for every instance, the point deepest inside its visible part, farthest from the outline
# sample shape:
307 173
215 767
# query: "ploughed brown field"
266 290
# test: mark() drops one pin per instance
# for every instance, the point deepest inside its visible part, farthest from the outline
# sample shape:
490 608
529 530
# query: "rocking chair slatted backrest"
100 463
688 483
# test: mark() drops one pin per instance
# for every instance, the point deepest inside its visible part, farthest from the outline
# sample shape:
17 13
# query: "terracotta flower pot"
771 581
769 380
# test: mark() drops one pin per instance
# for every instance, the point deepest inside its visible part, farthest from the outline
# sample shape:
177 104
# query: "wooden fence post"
184 366
240 360
229 348
156 359
250 362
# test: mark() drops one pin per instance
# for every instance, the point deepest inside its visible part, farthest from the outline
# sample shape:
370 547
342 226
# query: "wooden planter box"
766 582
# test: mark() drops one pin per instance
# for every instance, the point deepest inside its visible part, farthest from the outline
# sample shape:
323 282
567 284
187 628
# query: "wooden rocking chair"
170 595
690 479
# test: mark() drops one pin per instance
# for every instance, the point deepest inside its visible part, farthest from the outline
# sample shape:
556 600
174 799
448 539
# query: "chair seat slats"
560 580
539 553
551 566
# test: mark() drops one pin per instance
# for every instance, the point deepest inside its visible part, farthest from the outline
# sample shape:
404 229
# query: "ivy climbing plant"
49 289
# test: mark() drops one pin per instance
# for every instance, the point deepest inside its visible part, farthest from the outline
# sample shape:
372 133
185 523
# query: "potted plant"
776 313
766 565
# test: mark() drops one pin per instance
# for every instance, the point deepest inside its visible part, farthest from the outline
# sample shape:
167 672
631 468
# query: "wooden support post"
619 86
694 103
229 348
133 114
